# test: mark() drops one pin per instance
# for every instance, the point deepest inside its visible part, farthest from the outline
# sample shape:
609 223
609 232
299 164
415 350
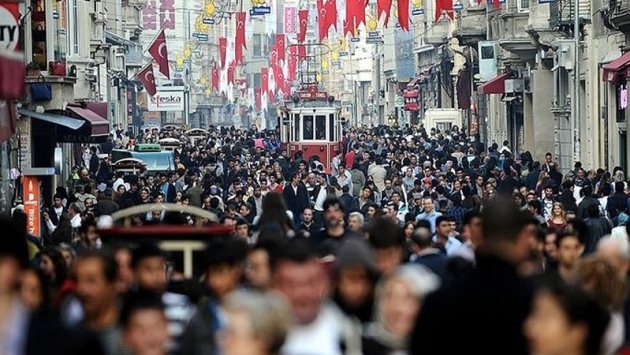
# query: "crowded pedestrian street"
314 177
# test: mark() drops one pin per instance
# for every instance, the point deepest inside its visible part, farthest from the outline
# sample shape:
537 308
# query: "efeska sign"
167 101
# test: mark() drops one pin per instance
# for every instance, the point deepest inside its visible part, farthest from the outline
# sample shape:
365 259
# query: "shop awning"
495 85
99 125
60 120
611 70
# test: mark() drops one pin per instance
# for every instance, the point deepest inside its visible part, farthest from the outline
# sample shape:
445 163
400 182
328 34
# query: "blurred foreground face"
31 290
238 336
354 285
549 331
151 274
398 308
93 289
258 272
304 285
147 332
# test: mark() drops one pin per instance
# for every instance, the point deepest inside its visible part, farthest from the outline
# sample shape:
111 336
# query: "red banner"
230 72
264 79
281 46
31 204
355 15
321 20
331 14
301 52
403 14
303 18
258 99
7 120
222 50
292 63
383 7
290 14
215 76
240 41
445 6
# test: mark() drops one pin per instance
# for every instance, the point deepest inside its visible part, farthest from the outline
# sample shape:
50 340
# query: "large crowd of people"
410 240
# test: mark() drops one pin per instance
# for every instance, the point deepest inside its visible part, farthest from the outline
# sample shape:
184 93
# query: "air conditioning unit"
514 86
565 55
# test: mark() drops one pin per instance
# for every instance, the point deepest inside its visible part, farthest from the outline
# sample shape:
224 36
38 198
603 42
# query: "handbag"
41 90
57 67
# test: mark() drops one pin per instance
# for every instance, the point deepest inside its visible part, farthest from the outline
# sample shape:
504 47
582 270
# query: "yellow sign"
416 3
209 9
200 26
324 64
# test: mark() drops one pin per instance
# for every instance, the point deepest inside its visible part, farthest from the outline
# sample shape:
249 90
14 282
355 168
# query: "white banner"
167 101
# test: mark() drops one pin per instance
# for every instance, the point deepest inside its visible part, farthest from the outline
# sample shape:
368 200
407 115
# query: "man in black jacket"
493 294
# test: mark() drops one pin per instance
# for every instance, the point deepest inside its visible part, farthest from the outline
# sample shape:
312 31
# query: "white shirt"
320 337
321 197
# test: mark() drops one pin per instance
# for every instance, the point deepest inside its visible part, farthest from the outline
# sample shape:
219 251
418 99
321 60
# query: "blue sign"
202 37
208 21
325 71
355 39
260 10
546 1
336 62
343 54
55 15
186 61
458 7
417 12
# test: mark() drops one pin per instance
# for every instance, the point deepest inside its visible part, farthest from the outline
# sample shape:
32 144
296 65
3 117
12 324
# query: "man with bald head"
615 249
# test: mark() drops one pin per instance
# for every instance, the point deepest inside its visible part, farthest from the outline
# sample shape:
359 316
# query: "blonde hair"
269 315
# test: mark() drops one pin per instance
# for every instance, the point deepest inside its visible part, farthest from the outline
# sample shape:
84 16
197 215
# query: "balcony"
514 39
471 26
562 14
62 92
617 15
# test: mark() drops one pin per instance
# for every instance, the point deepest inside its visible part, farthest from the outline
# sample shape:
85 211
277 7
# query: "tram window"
320 127
307 123
333 127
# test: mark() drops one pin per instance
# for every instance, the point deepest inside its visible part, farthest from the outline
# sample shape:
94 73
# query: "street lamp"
391 120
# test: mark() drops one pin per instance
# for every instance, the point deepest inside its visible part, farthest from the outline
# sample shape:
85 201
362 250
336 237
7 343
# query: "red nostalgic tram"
312 123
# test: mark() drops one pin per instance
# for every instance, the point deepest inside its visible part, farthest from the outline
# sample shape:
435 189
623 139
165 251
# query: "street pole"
377 87
576 84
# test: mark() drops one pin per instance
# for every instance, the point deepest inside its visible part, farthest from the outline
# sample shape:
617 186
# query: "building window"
257 45
38 34
257 80
73 28
523 5
60 21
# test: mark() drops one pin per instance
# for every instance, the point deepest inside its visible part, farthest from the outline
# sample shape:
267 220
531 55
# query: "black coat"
450 321
296 203
49 338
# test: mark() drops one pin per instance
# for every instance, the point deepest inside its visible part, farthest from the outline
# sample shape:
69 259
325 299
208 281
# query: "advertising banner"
31 204
166 101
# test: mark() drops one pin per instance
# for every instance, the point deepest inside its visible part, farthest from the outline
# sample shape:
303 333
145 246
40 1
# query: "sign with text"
167 101
31 204
312 95
9 28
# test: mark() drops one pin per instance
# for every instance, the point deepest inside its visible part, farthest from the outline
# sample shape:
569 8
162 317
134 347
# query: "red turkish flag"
241 17
258 98
292 63
403 14
215 76
321 20
274 56
446 6
272 98
145 75
230 72
238 54
264 79
331 14
383 7
159 52
222 50
303 18
281 47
